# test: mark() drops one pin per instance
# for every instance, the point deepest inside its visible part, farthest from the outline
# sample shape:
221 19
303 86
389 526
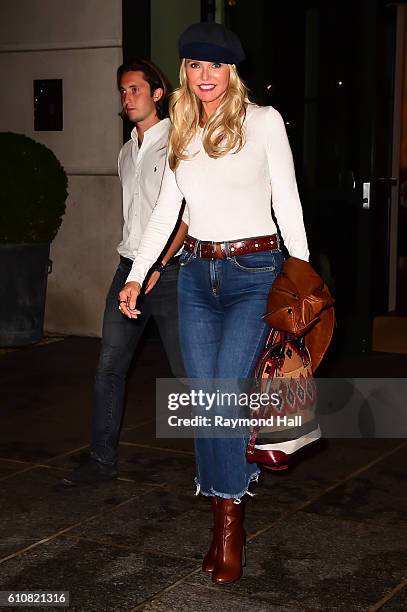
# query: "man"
141 164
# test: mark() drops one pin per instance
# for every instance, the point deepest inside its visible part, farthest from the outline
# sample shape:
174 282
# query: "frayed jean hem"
236 496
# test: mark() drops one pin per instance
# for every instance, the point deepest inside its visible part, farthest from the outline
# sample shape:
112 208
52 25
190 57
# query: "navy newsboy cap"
210 42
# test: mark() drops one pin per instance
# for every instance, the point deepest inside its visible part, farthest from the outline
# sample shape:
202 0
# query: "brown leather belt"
220 250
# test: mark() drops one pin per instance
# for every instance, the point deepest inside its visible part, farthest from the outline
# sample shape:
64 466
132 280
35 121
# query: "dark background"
328 67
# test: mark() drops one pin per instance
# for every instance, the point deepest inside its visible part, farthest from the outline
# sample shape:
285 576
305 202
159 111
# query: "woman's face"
208 80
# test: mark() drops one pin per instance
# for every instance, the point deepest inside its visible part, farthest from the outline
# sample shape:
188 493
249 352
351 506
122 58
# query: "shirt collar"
154 133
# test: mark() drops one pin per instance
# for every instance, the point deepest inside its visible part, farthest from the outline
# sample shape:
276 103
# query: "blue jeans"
120 338
222 333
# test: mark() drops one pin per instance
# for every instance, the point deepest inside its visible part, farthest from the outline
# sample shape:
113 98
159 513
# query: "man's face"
136 98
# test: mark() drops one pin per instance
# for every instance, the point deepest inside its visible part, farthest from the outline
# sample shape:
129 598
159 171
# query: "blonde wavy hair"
223 131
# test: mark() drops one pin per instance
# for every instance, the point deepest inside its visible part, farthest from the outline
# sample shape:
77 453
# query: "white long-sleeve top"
229 198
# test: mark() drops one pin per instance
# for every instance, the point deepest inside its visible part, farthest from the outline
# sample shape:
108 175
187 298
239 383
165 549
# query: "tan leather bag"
299 303
301 315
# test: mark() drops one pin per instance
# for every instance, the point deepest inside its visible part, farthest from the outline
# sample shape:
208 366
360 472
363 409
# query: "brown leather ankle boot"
230 542
208 563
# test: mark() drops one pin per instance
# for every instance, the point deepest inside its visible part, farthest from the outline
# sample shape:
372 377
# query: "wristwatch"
159 267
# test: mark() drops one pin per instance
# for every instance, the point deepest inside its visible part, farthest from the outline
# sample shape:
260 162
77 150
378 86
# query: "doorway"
329 69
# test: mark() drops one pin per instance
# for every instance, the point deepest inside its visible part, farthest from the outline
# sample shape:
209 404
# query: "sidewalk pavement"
330 534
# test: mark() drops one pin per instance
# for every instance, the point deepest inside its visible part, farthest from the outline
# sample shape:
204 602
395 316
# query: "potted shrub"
33 190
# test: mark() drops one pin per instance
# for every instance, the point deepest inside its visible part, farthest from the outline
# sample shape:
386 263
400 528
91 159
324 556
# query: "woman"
227 157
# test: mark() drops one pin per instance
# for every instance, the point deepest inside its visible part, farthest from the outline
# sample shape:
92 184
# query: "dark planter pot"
23 285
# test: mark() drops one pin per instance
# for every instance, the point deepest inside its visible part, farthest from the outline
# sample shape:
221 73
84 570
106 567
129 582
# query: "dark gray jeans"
120 338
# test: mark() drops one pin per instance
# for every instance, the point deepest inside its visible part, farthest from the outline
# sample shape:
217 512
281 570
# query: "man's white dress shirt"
141 171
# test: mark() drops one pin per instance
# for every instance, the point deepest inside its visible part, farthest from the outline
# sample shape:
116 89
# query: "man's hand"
152 281
128 298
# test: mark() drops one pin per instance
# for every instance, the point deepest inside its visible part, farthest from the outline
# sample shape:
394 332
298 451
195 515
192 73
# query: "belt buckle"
197 248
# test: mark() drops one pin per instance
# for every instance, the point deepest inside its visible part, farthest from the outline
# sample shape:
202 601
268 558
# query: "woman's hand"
128 298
